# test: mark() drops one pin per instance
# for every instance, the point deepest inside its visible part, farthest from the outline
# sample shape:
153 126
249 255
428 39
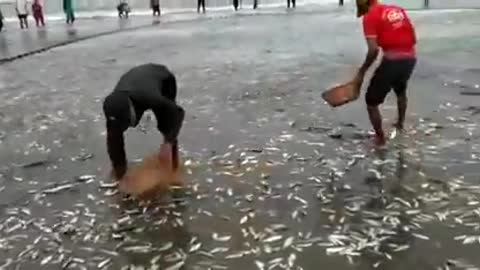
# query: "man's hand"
170 150
118 173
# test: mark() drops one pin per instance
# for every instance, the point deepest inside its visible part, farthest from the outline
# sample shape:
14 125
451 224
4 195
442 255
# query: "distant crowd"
36 9
23 10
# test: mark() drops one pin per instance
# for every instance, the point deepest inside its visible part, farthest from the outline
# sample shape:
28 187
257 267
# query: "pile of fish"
254 206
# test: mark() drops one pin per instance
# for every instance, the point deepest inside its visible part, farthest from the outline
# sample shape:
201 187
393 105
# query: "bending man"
145 87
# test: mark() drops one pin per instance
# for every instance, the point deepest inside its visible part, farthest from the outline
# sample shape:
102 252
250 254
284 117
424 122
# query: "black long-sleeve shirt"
145 87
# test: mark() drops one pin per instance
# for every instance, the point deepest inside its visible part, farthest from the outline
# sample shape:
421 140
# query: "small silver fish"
288 242
46 260
111 192
86 177
291 259
195 247
244 220
469 240
219 250
57 189
219 238
273 238
235 255
279 227
260 265
108 185
104 263
421 236
138 249
165 247
176 266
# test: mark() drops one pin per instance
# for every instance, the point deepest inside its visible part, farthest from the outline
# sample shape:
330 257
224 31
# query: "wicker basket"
342 94
154 175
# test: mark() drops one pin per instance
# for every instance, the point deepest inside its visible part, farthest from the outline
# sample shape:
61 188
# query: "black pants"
23 20
255 4
1 25
391 74
70 17
202 4
293 3
156 10
235 4
123 10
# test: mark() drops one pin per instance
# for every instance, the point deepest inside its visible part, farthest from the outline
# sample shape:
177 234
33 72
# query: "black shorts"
156 8
391 74
22 16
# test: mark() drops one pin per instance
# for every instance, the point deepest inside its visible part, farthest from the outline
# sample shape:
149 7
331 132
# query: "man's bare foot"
380 140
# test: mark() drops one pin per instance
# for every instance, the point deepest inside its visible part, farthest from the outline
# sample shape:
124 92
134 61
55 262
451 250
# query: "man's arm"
116 151
371 55
170 118
370 30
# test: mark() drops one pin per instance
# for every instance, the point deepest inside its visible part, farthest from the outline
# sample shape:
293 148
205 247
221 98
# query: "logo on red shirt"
392 28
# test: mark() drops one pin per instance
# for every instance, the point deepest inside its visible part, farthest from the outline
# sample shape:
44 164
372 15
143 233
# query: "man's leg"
405 69
402 102
376 93
376 121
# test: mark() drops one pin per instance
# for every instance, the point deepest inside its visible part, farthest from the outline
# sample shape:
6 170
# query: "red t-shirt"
393 30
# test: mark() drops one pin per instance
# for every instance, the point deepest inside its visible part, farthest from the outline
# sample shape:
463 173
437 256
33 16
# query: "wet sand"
275 178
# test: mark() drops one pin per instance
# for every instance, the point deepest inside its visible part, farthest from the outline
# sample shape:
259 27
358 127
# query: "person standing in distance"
1 21
22 12
155 6
387 27
201 3
145 87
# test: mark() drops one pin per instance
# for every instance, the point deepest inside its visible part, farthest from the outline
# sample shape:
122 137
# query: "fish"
138 249
273 238
195 247
219 250
85 178
288 242
421 236
235 255
219 238
165 247
46 260
260 265
109 252
57 189
104 263
291 259
243 220
279 227
176 266
469 240
108 185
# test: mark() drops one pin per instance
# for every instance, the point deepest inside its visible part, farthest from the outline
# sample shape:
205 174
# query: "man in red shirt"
387 27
